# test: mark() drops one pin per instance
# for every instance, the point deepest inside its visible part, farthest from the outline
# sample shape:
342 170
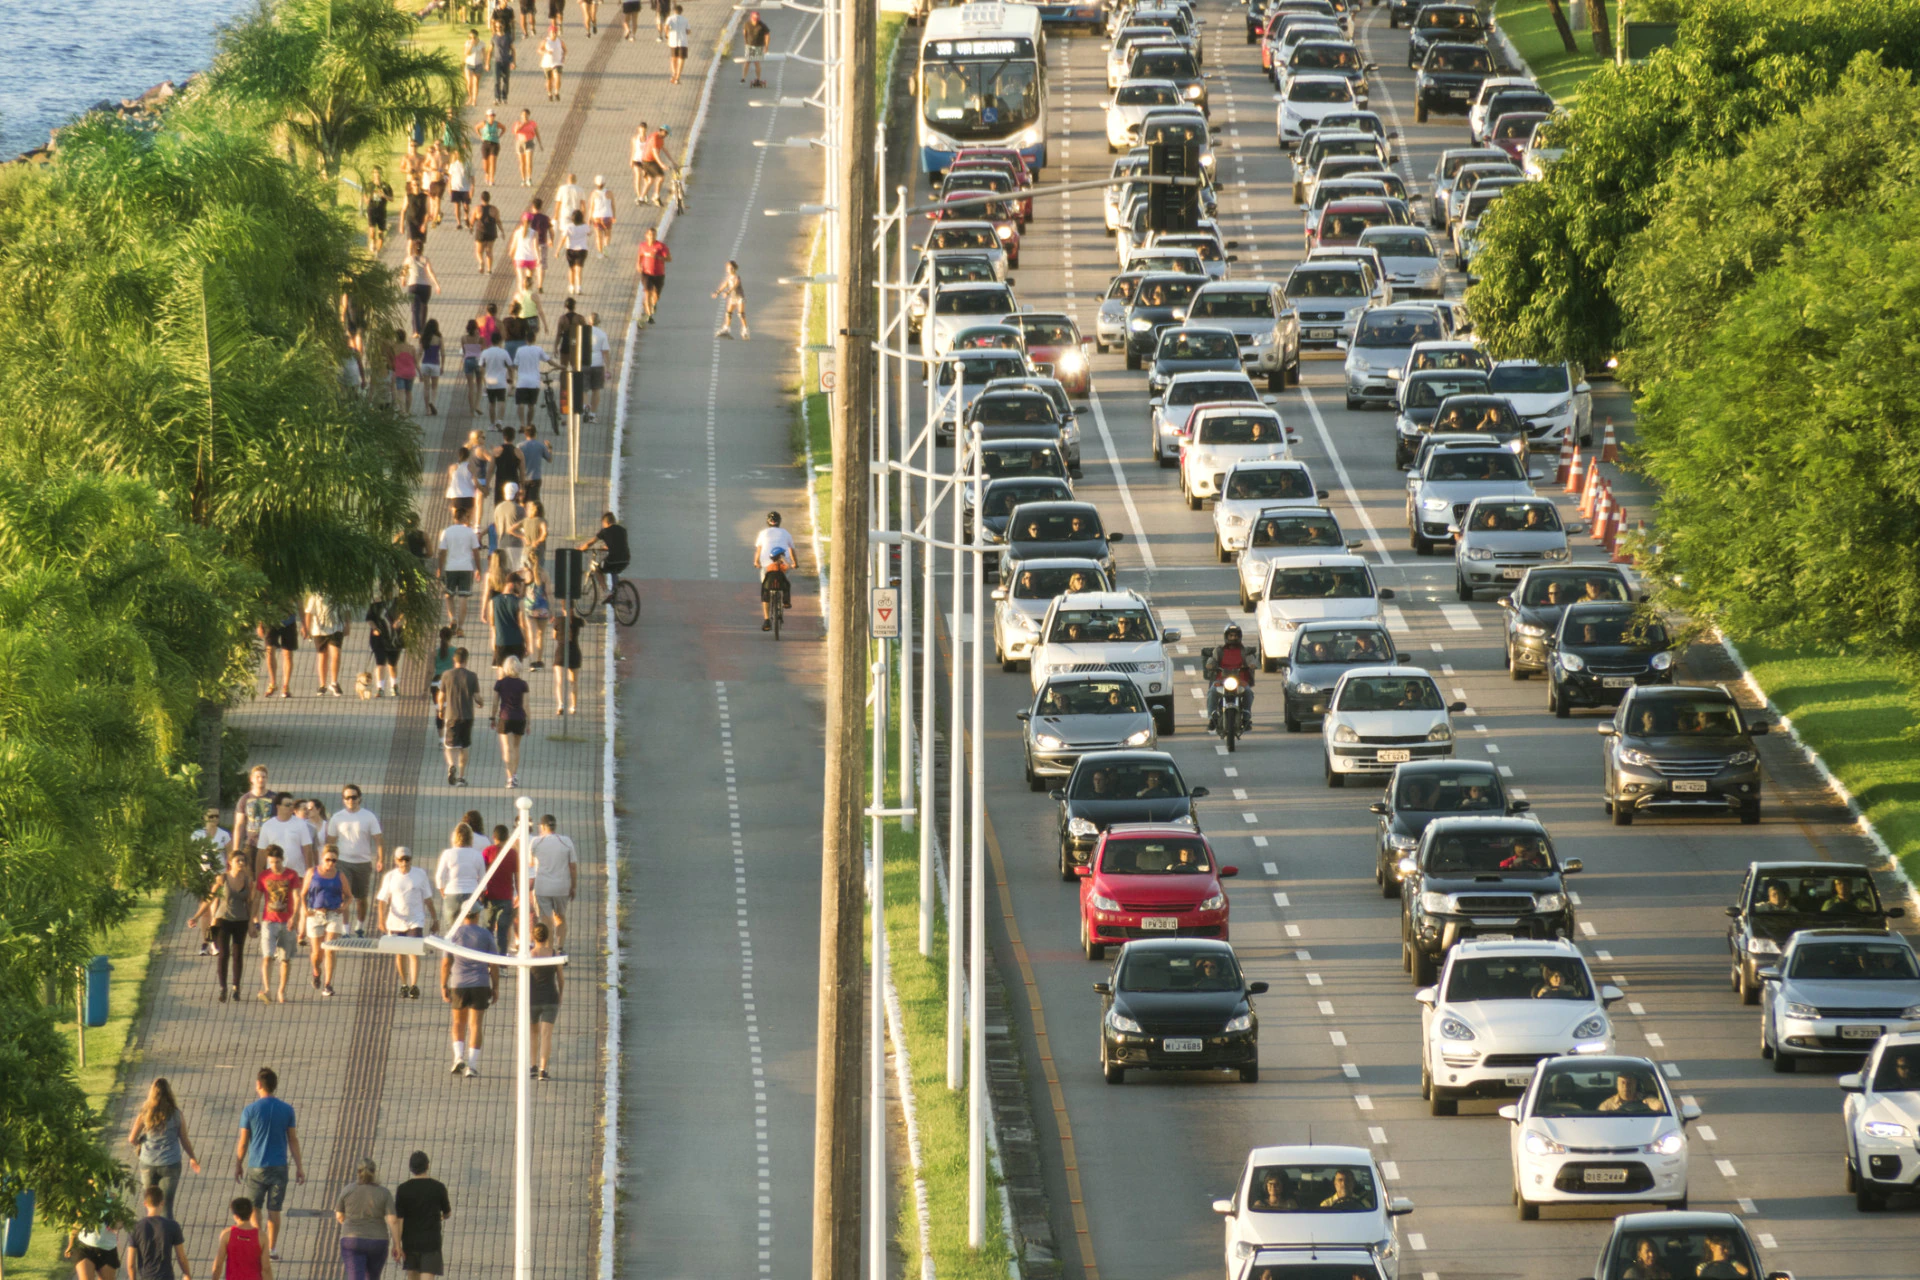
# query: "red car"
1022 172
1151 881
1054 339
1511 131
1342 221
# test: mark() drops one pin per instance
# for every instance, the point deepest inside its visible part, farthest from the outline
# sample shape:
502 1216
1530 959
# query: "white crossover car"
1170 410
1281 531
1326 1196
1131 102
1552 399
1598 1130
1107 631
1883 1115
1311 589
1222 438
1379 718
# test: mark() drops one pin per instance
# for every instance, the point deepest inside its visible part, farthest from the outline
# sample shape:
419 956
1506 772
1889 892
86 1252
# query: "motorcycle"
1231 718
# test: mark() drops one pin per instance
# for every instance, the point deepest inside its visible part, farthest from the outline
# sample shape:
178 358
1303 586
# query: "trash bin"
99 970
20 1225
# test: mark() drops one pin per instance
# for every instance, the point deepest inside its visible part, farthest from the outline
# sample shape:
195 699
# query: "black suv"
1443 24
1422 790
1680 747
1450 79
1533 610
1778 899
1159 302
1477 878
1108 788
1602 650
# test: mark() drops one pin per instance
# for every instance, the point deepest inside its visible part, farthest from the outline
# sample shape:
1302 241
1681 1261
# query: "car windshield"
1320 91
1449 358
1899 1070
999 409
1167 291
1815 894
1155 857
1463 792
1530 379
1319 582
1403 244
1427 392
986 337
1163 64
1288 531
1365 120
1625 1089
1020 460
1101 626
1479 464
1148 95
1049 333
1326 284
975 180
1565 587
1045 584
1390 693
1514 517
1345 148
1712 1253
1683 717
1434 18
1186 344
1517 124
972 302
1059 526
1239 428
1173 131
963 238
1325 57
1485 853
1390 330
1312 1188
1459 58
962 270
980 370
1890 961
1164 971
1482 197
1508 102
1091 698
1123 287
1204 390
1232 305
1206 246
1452 165
1613 629
1348 646
1128 781
1003 497
1476 415
1186 263
1517 978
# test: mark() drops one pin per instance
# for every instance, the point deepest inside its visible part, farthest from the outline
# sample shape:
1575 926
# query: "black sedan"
1778 899
1479 876
1322 652
1602 650
1679 748
1192 349
1178 1004
1159 302
1450 79
1422 790
1052 529
1533 610
1683 1243
1487 415
1109 787
1003 499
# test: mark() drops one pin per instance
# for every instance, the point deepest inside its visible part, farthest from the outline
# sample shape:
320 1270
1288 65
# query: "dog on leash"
363 686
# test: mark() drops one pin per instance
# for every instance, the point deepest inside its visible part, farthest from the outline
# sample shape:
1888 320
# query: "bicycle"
776 607
551 403
624 603
677 192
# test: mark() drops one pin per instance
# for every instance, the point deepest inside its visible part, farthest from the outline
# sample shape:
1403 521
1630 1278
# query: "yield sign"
883 613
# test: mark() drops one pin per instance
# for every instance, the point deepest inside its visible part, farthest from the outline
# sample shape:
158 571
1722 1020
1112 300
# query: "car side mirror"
1768 974
1353 544
1760 728
1689 1112
999 593
1896 913
1610 993
1456 707
1269 399
1572 867
1607 731
1428 996
1223 1207
1010 282
1733 913
1116 537
1172 634
1058 793
1454 529
1372 66
1384 593
1154 402
1256 988
1510 1112
1320 494
1379 807
1852 1082
1023 714
1232 244
1535 473
1104 988
1229 871
1198 792
1399 1206
1082 870
1582 388
1519 806
1505 602
1393 375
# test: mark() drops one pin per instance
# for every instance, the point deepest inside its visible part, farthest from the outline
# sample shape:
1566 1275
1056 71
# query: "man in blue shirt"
260 1157
470 986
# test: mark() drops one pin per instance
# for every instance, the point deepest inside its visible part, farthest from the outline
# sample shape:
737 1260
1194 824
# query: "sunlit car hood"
1387 723
1158 891
1501 541
1365 1227
1468 490
1604 1131
1841 993
1546 1023
1901 1108
1332 609
1059 654
1081 730
1534 405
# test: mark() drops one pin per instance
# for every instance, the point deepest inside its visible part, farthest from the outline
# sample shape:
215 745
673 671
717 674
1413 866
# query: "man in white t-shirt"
407 894
496 375
290 831
775 557
356 833
679 37
459 545
555 869
526 379
569 197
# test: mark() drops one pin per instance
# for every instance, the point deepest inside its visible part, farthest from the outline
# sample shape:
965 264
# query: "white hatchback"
1883 1115
1379 718
1333 588
1598 1130
1328 1196
1222 438
1309 100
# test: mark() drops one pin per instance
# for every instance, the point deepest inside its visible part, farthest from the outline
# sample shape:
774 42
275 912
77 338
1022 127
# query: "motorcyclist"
1230 659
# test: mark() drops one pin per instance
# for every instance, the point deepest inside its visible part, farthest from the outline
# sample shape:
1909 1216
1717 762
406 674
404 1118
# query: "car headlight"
1081 827
1635 756
1435 504
1479 553
1005 233
1357 361
1231 684
1440 733
1539 1144
1911 1011
1121 1022
919 307
1550 902
1242 1023
1741 757
1071 362
1386 1247
1433 902
1215 903
1179 313
1238 522
1883 1129
1017 621
1099 903
1762 947
1244 1249
1558 553
1140 738
1345 733
1556 410
1797 1010
1528 629
1194 90
1139 324
1572 661
1592 1029
1454 1029
1300 686
1402 844
1668 1144
1047 742
1661 661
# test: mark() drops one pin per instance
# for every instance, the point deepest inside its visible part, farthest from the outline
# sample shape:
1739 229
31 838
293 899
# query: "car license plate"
1616 682
1181 1046
1395 757
1519 1079
1459 93
1160 922
1512 575
1322 333
1604 1176
1692 786
1860 1033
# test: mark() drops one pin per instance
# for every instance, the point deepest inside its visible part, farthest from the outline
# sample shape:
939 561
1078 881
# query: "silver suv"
1257 314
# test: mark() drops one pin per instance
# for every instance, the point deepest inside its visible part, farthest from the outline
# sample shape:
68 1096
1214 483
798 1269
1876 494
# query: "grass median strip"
1529 25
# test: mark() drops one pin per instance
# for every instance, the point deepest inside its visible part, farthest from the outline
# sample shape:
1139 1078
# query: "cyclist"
775 557
612 537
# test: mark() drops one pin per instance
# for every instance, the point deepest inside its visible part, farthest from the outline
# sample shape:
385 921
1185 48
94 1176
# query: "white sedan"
1337 588
1379 718
1594 1130
1309 100
1883 1115
1322 1195
1224 438
1131 102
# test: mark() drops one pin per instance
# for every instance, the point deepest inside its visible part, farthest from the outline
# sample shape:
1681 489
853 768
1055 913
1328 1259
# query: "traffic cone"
1590 491
1615 517
1566 459
1602 511
1631 545
1609 447
1576 472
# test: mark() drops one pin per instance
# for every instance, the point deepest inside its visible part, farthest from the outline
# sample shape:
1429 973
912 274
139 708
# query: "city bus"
982 81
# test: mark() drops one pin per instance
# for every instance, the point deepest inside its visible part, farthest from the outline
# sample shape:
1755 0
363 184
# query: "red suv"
1151 882
1342 221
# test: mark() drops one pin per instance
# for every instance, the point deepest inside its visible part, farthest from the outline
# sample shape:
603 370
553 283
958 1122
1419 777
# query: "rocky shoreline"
145 105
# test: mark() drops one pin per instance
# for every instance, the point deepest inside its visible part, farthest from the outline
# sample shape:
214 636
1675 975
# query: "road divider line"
1346 481
1120 479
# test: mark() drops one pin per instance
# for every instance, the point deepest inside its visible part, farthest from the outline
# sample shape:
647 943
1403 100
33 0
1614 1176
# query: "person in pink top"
406 367
239 1255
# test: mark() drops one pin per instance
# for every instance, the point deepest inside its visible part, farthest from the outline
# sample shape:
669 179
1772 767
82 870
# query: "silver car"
1835 992
1072 715
1120 52
1329 295
1110 323
1381 717
1448 481
1257 314
1382 341
1411 259
1021 600
1499 539
1447 172
1131 102
960 306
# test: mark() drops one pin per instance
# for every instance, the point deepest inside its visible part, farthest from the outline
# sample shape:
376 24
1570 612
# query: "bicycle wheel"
626 603
777 612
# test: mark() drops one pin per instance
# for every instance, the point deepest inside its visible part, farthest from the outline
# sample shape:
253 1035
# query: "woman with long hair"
364 1210
160 1134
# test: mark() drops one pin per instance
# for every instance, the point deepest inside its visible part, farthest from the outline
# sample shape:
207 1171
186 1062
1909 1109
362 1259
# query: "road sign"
883 620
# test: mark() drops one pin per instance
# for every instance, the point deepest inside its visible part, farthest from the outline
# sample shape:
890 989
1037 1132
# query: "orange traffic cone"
1576 472
1615 517
1590 492
1629 549
1602 509
1565 468
1609 447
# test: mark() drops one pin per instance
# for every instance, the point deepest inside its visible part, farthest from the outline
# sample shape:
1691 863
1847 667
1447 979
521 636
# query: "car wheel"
1421 546
1293 371
1299 193
1750 813
1426 971
1389 883
1267 664
1426 1080
1743 983
1406 956
1225 556
1622 814
1529 1211
1091 949
1066 864
1783 1063
1277 380
1556 703
1442 1106
1851 1181
1392 20
1293 725
1419 113
1460 587
1335 780
1013 261
1133 358
1250 1075
1866 1199
1352 403
1100 347
1112 1074
1195 501
1034 781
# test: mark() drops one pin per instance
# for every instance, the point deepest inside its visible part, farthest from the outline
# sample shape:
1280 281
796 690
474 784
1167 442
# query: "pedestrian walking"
254 807
374 198
536 612
507 471
407 894
655 157
355 832
756 36
500 892
662 10
413 211
268 1136
240 1253
537 218
637 148
652 259
500 58
470 986
473 60
486 228
94 1252
523 249
679 37
276 903
229 910
282 640
735 293
156 1242
535 455
526 378
460 190
553 59
510 696
600 214
629 18
160 1139
490 132
597 365
496 373
566 660
435 181
470 349
546 982
578 242
403 366
418 279
290 832
526 140
327 627
369 1229
458 547
458 872
323 897
432 353
555 869
213 842
459 695
504 533
423 1207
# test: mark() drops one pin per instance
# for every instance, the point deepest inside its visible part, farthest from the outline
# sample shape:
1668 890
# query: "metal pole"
929 608
523 1054
876 1215
908 667
977 907
956 828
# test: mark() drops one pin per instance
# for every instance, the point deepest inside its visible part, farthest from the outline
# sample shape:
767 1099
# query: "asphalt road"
1340 1057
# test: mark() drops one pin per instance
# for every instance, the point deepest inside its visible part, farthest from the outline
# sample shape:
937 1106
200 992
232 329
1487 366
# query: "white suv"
1333 588
1322 1195
1220 437
1499 1008
1107 631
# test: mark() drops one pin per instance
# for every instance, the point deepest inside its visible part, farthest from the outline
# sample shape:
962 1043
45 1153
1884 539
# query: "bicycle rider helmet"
773 517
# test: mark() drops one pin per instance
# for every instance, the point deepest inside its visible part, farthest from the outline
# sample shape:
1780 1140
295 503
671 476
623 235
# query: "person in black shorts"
613 537
378 193
526 17
662 10
283 641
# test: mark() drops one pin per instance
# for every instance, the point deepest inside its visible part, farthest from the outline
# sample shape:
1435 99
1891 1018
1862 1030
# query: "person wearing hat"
406 895
600 214
757 36
490 131
507 518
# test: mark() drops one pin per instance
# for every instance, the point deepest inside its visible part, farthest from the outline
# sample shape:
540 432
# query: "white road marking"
1326 1008
1362 1101
1239 793
1280 900
1726 1168
1339 1039
1459 617
1706 1132
1416 1242
1505 772
1379 1137
1586 927
1518 794
1346 481
1120 482
1653 1038
1396 620
1446 668
1746 1205
1389 1169
1249 818
1259 842
1493 748
1637 1009
1672 1070
1313 980
1302 954
1766 1240
1271 868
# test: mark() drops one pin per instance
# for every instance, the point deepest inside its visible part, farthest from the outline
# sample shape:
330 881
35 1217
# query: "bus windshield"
986 99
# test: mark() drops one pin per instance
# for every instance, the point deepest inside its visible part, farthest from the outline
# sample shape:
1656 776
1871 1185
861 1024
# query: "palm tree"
336 74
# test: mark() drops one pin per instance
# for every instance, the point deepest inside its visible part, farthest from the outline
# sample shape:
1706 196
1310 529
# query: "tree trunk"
211 722
1560 24
1601 27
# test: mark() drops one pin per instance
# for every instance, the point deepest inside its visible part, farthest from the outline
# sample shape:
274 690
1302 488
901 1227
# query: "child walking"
736 295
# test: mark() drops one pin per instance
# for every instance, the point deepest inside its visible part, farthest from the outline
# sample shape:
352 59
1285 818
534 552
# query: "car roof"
1437 766
1013 480
1048 315
1183 944
1238 286
1158 82
1488 822
1202 375
1100 599
1678 1220
1181 830
1666 692
1389 669
1889 1038
1332 560
1847 935
1281 513
1309 1153
964 224
1344 624
1139 754
1357 204
1807 868
1322 79
1063 504
1517 947
976 286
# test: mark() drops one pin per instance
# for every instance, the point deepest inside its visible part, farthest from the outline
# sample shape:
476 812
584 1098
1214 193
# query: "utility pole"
837 1127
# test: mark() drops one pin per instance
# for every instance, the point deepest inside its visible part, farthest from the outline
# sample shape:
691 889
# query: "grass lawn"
130 947
1529 24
